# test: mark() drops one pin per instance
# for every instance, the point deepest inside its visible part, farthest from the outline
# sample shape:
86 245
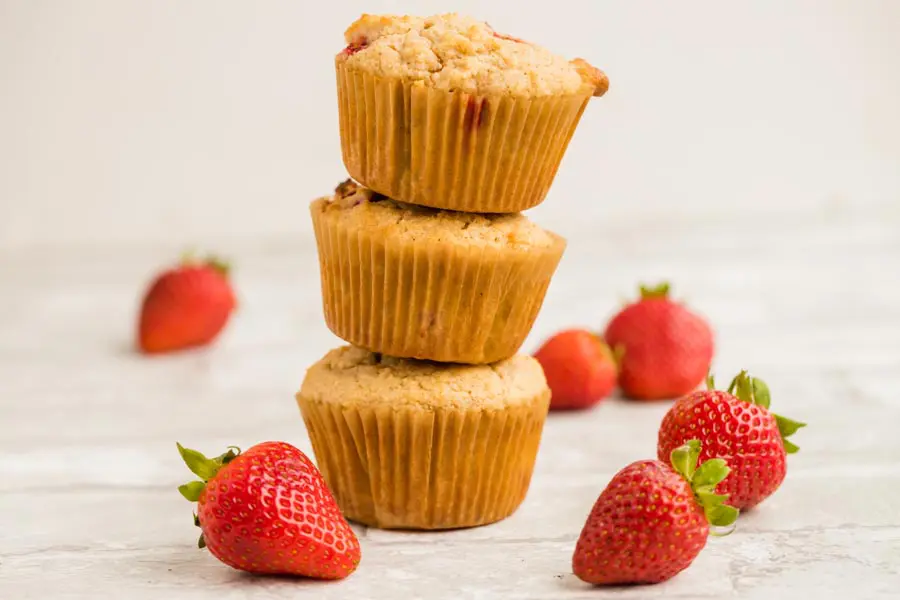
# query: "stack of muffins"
429 419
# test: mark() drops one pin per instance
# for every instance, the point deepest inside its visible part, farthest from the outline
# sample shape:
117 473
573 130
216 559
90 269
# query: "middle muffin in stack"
429 419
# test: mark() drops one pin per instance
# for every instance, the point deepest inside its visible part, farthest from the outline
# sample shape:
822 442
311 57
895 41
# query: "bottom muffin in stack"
413 444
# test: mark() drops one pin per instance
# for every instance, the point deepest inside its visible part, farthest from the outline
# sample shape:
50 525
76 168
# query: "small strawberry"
185 306
579 367
268 510
665 348
652 520
735 425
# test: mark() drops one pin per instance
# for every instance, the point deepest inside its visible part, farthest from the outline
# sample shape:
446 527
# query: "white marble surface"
88 467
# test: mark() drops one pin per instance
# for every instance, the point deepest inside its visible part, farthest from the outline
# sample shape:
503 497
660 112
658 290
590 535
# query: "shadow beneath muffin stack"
430 419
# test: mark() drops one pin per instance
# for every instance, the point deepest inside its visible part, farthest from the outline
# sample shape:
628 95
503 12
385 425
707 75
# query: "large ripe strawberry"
580 369
665 349
735 425
185 306
652 520
268 510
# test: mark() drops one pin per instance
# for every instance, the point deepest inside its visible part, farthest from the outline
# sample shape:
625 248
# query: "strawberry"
580 369
665 348
268 510
185 306
652 520
735 425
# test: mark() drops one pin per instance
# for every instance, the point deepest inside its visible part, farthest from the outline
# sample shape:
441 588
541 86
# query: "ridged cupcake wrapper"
452 150
430 300
412 468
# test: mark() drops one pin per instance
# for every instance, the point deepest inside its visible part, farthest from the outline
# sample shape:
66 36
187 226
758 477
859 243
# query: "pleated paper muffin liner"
411 467
452 150
428 299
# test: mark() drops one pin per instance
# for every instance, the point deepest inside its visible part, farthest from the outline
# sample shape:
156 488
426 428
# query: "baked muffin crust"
355 376
458 53
352 203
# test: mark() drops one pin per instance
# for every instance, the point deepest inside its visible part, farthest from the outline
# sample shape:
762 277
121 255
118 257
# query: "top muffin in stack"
429 420
443 111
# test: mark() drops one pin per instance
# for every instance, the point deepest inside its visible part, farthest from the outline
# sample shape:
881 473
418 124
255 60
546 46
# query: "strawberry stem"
703 481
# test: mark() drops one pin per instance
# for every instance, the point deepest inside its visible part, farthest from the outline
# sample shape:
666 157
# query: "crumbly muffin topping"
369 210
351 375
458 53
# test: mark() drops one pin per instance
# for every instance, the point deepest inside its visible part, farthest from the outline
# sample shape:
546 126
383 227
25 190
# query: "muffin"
443 111
417 282
406 444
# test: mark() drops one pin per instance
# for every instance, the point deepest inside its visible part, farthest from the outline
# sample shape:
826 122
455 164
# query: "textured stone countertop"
88 467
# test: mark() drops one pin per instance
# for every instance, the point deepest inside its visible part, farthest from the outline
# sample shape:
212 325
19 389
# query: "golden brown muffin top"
359 207
352 376
458 53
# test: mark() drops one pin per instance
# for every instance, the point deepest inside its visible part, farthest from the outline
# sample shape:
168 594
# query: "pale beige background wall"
177 121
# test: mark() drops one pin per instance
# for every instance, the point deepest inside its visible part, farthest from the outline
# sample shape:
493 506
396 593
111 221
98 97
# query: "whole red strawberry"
185 306
579 367
665 348
739 428
652 520
268 510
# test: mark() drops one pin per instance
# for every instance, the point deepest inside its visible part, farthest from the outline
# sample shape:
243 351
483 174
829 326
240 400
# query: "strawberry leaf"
228 456
684 458
722 515
790 447
755 391
741 387
220 265
192 490
703 481
205 469
788 427
761 396
717 512
710 474
750 389
660 290
199 465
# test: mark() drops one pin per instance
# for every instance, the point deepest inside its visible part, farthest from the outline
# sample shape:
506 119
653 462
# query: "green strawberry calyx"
658 291
205 469
219 264
216 263
755 391
703 480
